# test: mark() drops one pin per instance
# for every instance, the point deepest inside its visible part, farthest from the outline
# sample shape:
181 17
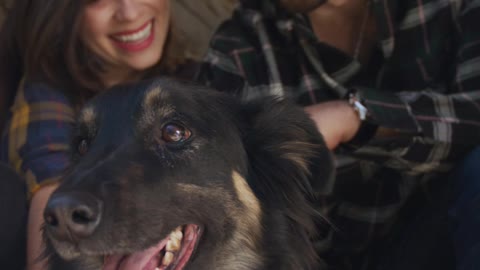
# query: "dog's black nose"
72 216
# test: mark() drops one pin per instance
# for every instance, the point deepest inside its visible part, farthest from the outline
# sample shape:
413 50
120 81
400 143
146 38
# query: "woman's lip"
136 46
129 32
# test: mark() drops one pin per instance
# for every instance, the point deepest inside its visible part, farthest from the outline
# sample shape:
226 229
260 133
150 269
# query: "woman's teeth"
135 37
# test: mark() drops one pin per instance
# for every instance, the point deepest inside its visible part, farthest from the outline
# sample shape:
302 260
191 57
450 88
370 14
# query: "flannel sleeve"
36 138
221 68
443 120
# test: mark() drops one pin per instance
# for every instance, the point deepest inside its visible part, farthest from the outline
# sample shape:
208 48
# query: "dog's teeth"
177 234
173 244
167 258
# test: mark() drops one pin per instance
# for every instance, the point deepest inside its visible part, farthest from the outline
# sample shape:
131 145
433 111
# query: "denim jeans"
464 212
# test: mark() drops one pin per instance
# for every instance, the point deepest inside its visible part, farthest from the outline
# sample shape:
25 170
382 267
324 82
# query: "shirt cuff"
389 111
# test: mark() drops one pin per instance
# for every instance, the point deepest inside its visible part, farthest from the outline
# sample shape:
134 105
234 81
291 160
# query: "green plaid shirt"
423 80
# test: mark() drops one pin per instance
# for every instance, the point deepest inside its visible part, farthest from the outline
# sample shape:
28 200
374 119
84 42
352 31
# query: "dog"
170 175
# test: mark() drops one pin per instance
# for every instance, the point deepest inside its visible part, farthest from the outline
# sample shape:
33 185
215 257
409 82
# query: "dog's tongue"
142 260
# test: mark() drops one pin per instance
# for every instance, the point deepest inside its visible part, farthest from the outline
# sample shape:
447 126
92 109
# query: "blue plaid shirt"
36 138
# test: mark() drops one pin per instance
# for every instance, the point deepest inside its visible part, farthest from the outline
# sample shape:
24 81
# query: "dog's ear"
286 150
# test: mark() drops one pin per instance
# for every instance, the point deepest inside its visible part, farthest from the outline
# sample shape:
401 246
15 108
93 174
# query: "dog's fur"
248 175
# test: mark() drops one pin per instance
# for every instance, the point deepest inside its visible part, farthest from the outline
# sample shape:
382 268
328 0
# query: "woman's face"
127 34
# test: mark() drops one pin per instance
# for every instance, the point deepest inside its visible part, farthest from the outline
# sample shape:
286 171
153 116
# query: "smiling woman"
57 54
81 41
128 35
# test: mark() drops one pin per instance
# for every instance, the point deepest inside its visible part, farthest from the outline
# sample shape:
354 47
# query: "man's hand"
337 121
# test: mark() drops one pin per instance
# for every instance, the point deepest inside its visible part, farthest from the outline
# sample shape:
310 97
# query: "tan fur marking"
151 108
242 251
299 153
210 192
152 96
246 196
248 231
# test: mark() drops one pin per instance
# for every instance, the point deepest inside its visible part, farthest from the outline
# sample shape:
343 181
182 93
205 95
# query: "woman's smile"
135 40
128 36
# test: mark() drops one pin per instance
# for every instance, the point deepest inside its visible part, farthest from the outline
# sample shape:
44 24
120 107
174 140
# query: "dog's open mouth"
172 253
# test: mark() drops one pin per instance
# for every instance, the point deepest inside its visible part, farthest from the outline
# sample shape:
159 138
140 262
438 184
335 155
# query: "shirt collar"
386 12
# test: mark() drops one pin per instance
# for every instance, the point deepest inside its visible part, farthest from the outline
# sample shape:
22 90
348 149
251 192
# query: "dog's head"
168 175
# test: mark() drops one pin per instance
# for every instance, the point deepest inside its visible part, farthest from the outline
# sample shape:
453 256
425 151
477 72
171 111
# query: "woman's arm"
36 146
35 244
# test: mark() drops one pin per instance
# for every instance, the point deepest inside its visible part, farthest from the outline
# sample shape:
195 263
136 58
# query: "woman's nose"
128 10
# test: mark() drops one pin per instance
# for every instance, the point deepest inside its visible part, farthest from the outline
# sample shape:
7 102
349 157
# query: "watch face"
355 102
301 6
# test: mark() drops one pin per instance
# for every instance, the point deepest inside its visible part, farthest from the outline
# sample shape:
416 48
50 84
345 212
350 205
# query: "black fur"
135 175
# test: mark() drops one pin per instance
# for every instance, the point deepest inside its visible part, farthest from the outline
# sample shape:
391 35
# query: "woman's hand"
35 243
337 121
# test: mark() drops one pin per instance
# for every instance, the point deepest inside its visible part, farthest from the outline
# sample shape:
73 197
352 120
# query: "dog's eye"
175 133
82 147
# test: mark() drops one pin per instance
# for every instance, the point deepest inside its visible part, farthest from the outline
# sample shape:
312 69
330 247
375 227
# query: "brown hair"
40 40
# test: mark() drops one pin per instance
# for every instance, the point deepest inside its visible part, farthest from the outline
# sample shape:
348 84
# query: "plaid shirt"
423 81
36 138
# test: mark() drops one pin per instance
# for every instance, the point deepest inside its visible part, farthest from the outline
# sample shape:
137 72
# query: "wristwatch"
354 101
367 129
